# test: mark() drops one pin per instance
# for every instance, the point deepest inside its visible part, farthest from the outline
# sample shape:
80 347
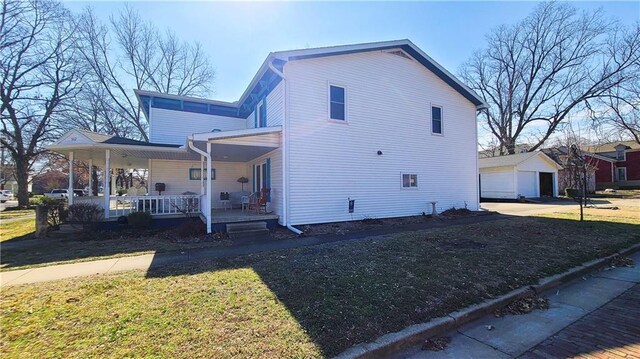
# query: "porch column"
202 175
70 190
106 189
91 177
209 180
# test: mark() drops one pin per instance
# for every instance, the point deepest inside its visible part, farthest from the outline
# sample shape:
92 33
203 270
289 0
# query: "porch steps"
247 230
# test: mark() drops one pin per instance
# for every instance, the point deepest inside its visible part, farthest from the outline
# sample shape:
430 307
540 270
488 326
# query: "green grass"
308 302
15 229
17 213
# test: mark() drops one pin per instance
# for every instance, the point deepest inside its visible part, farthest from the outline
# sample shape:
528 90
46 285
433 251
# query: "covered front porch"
201 178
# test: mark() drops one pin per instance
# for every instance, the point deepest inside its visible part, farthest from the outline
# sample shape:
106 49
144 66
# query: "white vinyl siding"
175 175
387 97
173 127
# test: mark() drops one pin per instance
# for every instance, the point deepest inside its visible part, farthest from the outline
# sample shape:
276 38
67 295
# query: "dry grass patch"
17 213
624 214
307 302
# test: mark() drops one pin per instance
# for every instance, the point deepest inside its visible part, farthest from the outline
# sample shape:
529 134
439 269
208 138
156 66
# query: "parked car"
6 195
57 193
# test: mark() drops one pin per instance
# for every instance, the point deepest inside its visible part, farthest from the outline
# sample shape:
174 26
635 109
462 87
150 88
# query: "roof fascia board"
211 136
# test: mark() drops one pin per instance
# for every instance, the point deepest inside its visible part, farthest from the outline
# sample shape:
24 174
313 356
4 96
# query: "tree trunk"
22 177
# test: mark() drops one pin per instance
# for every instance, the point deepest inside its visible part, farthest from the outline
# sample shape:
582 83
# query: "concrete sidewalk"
535 335
144 262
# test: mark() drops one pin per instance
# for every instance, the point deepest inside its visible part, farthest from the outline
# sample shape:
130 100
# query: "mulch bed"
523 306
436 344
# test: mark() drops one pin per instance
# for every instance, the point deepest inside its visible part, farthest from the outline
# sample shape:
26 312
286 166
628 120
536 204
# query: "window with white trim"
337 103
436 120
620 155
409 180
622 173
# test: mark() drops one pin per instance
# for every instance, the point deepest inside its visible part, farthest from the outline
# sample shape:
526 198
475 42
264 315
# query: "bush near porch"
308 302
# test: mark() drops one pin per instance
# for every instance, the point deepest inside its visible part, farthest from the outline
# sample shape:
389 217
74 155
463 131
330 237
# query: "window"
337 104
196 174
620 155
262 114
409 180
436 120
622 173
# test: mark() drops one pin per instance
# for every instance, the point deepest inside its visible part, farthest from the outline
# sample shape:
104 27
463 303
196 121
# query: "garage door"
527 183
496 185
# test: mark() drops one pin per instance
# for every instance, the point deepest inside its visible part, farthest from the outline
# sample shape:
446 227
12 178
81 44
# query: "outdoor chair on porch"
261 199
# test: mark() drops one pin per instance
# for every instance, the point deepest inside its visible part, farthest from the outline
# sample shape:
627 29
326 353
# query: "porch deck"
237 215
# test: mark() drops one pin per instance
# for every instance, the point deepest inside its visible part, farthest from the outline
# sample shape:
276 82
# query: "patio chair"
265 195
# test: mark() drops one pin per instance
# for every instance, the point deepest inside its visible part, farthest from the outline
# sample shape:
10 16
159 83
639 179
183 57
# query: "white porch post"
202 174
91 177
149 177
209 180
106 187
70 190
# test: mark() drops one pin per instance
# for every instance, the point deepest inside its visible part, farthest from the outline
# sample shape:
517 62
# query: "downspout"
285 157
206 155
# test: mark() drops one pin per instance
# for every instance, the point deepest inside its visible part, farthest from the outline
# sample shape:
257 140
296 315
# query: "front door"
260 179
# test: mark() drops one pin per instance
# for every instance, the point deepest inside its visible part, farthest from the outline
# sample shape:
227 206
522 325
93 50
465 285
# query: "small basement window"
436 120
337 103
409 180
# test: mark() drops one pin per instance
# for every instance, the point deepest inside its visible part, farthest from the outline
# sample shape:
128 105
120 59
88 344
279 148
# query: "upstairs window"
436 120
620 155
261 113
337 103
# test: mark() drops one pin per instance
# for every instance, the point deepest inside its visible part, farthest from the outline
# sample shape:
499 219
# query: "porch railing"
155 205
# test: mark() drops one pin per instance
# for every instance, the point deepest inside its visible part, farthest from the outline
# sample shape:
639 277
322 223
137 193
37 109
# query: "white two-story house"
337 133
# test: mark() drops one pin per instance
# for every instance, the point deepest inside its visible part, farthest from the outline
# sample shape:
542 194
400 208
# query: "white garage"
531 174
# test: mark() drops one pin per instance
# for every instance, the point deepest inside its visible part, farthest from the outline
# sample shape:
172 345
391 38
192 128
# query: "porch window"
262 176
337 103
195 174
409 180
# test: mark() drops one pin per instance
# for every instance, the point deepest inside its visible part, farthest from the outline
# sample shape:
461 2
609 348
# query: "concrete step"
246 226
250 234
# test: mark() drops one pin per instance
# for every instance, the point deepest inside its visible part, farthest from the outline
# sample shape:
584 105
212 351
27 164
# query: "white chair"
244 201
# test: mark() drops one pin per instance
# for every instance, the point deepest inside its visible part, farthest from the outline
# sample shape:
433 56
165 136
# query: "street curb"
415 334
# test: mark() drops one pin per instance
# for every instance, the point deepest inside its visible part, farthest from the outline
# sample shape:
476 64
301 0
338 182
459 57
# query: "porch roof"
125 152
239 145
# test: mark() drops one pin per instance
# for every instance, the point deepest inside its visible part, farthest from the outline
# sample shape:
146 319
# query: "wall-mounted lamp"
379 153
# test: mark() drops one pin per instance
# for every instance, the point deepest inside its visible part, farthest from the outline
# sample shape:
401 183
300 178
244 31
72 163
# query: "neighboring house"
625 157
600 169
530 174
380 124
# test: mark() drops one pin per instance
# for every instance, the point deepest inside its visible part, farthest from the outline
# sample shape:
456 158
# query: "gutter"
285 157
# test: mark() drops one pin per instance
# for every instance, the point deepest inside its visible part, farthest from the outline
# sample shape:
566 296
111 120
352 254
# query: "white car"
6 195
57 193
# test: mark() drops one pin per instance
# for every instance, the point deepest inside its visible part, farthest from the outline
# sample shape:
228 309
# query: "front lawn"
16 229
307 302
6 214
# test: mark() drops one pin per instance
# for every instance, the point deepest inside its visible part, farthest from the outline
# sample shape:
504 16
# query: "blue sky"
238 36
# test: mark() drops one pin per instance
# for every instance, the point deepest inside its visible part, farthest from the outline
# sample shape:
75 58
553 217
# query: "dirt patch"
436 344
523 306
462 243
457 212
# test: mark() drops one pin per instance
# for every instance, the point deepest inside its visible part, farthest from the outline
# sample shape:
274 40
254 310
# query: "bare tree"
130 53
39 71
537 72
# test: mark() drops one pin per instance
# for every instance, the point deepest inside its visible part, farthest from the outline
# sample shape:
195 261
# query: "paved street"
594 317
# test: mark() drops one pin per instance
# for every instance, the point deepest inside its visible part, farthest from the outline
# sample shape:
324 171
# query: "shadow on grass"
351 292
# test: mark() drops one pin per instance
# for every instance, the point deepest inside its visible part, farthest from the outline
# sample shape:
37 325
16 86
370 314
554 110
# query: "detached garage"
531 174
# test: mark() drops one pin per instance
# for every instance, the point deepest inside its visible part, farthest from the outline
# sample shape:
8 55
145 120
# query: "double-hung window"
620 156
436 120
337 103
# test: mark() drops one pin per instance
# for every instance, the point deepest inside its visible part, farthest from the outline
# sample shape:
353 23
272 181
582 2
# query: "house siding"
275 108
173 127
388 109
175 175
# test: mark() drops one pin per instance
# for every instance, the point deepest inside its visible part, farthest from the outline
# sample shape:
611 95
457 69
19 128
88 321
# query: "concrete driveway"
527 209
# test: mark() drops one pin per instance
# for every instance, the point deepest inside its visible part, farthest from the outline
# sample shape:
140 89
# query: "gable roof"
266 79
513 160
611 146
100 138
